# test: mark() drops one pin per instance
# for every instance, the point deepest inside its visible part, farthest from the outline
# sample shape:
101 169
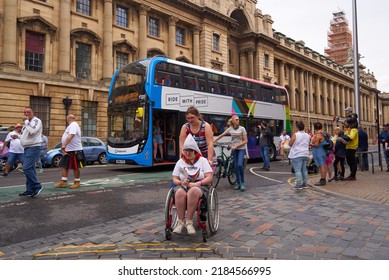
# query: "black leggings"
337 160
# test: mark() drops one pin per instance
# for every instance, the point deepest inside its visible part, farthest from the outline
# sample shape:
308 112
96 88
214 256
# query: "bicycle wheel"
231 172
218 172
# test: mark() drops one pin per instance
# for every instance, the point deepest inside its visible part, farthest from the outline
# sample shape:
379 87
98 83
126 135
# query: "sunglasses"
189 151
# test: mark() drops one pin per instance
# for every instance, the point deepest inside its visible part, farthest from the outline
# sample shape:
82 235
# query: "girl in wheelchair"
191 175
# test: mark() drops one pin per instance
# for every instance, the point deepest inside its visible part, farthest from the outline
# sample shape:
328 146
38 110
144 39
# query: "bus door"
171 135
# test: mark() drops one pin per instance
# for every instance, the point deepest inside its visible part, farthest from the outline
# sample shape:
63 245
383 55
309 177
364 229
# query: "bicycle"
225 165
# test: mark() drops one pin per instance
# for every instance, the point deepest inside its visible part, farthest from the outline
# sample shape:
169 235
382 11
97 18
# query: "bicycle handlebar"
223 145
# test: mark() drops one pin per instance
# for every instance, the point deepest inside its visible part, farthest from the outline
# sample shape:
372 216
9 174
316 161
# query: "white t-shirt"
284 138
15 146
182 168
237 136
75 143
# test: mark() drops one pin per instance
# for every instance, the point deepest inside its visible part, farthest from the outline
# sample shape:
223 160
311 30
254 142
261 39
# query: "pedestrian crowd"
27 145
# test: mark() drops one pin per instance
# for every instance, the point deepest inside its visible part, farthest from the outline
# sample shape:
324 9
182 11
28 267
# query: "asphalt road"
107 193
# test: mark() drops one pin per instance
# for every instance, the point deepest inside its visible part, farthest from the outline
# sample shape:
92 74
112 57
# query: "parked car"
94 150
3 133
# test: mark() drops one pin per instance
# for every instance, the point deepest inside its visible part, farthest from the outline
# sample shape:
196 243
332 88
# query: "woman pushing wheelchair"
191 175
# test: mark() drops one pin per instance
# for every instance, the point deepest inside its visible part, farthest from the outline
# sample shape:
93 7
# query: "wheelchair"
207 213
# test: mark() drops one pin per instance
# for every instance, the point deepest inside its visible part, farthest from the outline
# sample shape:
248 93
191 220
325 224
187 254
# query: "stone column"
302 89
332 109
281 73
318 94
143 9
362 101
352 104
292 88
372 104
172 36
10 33
325 96
196 45
242 63
310 92
107 38
64 38
337 99
250 54
342 101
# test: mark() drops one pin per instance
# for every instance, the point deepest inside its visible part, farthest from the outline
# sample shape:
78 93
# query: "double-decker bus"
161 88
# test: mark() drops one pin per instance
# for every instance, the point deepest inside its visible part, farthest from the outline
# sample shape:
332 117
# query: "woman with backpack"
319 152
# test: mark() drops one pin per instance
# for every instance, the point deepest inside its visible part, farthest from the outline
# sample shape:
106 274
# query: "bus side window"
166 81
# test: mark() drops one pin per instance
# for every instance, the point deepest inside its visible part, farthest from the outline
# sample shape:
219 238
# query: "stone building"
53 51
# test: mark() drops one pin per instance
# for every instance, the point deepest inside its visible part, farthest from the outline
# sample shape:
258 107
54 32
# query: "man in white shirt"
74 156
31 142
16 150
284 145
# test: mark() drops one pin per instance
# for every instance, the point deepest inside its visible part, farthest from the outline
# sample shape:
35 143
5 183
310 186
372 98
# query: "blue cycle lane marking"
11 193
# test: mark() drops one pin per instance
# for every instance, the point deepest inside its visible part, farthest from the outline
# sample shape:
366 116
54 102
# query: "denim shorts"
12 157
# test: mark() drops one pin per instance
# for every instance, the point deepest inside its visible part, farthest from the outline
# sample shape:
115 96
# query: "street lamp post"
67 102
356 58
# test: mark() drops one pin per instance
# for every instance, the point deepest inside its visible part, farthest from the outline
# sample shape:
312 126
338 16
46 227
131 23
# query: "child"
340 155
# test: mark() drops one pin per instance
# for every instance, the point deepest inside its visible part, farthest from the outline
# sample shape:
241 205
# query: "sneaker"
37 191
40 170
75 185
305 186
297 188
61 184
179 227
322 182
190 228
266 168
242 187
26 193
4 175
335 178
236 186
350 178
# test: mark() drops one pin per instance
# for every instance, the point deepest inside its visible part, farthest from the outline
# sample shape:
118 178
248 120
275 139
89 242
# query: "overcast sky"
309 20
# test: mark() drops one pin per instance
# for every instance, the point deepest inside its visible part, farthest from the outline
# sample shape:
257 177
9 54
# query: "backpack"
328 144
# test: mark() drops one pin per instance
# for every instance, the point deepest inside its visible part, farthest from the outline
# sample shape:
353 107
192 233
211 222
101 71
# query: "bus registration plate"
120 161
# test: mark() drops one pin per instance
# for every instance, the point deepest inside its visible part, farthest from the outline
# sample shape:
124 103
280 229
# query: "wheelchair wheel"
217 174
212 210
170 214
231 173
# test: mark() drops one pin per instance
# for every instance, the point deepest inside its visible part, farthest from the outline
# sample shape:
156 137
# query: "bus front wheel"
273 152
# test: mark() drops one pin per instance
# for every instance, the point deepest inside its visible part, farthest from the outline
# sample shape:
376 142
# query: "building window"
121 16
216 42
83 61
41 108
180 36
266 60
35 47
89 118
121 59
153 27
84 7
